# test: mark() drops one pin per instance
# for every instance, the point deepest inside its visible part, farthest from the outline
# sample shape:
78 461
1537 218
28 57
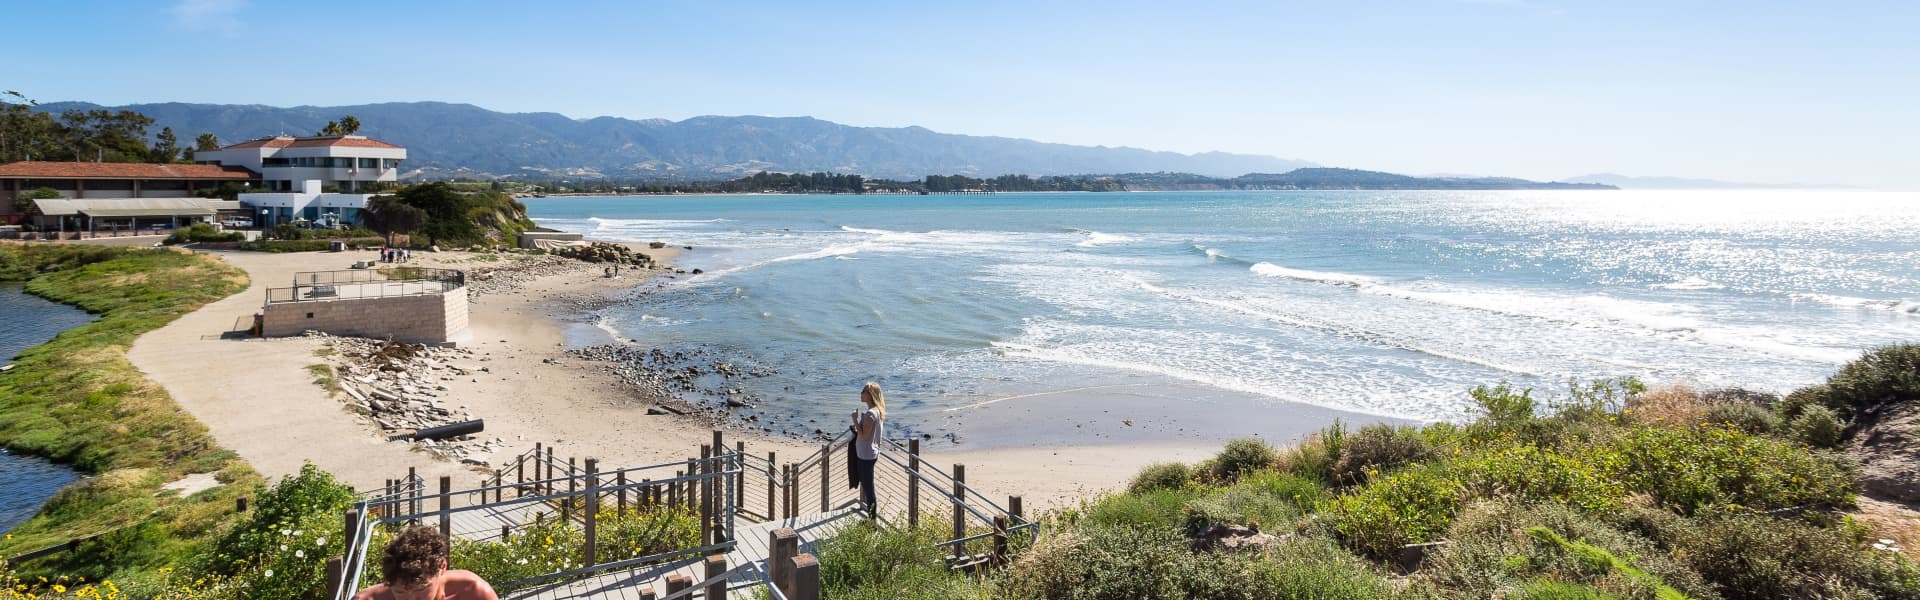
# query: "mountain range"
445 140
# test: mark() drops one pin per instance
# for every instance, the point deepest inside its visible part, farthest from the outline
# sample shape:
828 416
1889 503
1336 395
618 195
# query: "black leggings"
863 473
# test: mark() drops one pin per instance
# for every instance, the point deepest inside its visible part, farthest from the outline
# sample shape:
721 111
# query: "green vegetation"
447 216
1610 490
97 135
76 399
201 233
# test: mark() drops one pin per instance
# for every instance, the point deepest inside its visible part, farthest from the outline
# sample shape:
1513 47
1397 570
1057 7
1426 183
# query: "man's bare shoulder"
461 584
377 592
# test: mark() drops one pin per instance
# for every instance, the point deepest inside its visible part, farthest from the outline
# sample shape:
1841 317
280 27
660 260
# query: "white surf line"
1046 393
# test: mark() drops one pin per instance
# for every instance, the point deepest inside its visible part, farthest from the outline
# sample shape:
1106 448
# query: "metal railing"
565 494
367 283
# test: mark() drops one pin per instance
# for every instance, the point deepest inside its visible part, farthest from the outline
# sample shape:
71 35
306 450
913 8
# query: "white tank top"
869 448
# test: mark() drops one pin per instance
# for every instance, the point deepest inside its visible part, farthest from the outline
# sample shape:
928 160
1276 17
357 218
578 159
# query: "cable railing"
623 519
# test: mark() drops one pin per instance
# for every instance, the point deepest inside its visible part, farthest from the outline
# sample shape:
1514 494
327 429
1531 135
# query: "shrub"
1378 448
1301 567
1241 457
1492 550
1245 504
1751 556
1103 562
1503 407
1734 395
201 233
1404 508
1816 426
1171 475
1672 405
1743 416
1689 469
869 562
1301 492
1536 474
1882 375
1156 508
1313 457
279 549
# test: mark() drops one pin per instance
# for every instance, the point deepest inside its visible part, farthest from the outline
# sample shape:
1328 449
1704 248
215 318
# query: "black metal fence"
318 286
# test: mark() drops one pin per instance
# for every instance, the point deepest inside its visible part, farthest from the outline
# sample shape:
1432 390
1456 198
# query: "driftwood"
443 431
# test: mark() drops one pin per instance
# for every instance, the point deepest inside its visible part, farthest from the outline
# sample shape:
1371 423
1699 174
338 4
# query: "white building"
347 163
307 205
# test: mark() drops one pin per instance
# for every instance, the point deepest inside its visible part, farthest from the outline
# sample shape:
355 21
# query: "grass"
323 376
76 399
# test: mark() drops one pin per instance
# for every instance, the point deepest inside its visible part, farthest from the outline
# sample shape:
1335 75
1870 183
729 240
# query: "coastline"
263 404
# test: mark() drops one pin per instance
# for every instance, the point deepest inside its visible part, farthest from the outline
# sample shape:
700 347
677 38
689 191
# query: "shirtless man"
415 568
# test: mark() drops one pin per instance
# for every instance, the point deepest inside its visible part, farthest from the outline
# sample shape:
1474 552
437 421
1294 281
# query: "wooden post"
1014 510
413 507
240 504
573 486
959 509
336 574
621 480
913 483
999 540
806 578
678 582
647 594
520 476
786 490
706 497
826 475
537 449
717 566
549 476
505 530
784 544
446 506
673 491
593 509
772 515
649 497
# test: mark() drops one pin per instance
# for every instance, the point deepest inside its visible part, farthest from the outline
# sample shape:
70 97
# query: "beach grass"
77 399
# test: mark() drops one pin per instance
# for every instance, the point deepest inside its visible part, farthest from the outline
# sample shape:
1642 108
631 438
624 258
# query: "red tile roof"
354 141
88 170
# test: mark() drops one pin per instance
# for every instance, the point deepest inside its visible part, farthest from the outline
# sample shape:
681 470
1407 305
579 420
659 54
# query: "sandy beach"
259 399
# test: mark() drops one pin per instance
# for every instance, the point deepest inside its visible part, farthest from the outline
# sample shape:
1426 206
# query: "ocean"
1367 304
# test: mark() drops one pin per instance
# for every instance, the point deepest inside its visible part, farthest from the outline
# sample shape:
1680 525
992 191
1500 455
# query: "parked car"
236 223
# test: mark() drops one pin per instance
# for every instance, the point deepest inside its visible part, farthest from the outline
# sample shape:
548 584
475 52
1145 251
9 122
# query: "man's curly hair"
413 557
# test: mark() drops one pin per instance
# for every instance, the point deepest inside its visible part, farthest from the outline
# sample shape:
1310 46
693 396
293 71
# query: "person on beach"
869 427
414 567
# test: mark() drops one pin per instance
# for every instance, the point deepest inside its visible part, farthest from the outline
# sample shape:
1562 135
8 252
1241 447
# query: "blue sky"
1759 91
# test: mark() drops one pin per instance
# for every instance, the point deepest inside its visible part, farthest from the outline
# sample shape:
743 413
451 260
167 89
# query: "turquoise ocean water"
1381 303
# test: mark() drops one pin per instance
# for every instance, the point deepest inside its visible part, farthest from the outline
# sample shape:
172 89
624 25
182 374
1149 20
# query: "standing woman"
869 427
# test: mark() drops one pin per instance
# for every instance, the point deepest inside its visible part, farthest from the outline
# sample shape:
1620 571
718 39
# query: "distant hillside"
461 139
1327 178
1682 183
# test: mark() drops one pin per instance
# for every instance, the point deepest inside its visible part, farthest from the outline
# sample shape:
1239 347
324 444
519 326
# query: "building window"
369 163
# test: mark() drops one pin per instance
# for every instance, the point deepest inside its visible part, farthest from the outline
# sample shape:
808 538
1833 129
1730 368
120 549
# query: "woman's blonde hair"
874 399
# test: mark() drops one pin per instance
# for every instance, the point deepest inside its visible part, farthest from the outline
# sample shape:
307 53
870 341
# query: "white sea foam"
1908 307
1095 238
1690 283
1267 269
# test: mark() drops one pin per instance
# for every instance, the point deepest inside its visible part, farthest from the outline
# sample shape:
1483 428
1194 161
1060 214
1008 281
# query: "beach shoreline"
534 389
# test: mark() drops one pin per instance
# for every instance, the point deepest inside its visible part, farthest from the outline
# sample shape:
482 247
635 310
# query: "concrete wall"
424 319
531 239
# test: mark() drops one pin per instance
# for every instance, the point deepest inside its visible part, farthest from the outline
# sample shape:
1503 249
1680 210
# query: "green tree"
24 202
390 215
166 148
332 128
449 212
26 133
349 125
104 136
206 141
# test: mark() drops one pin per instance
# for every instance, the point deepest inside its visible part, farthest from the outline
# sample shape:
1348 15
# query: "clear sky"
1757 90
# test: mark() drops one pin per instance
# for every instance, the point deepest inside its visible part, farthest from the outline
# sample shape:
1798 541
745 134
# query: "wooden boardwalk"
751 552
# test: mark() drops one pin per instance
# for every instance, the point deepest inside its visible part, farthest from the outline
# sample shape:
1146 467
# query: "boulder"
1887 445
